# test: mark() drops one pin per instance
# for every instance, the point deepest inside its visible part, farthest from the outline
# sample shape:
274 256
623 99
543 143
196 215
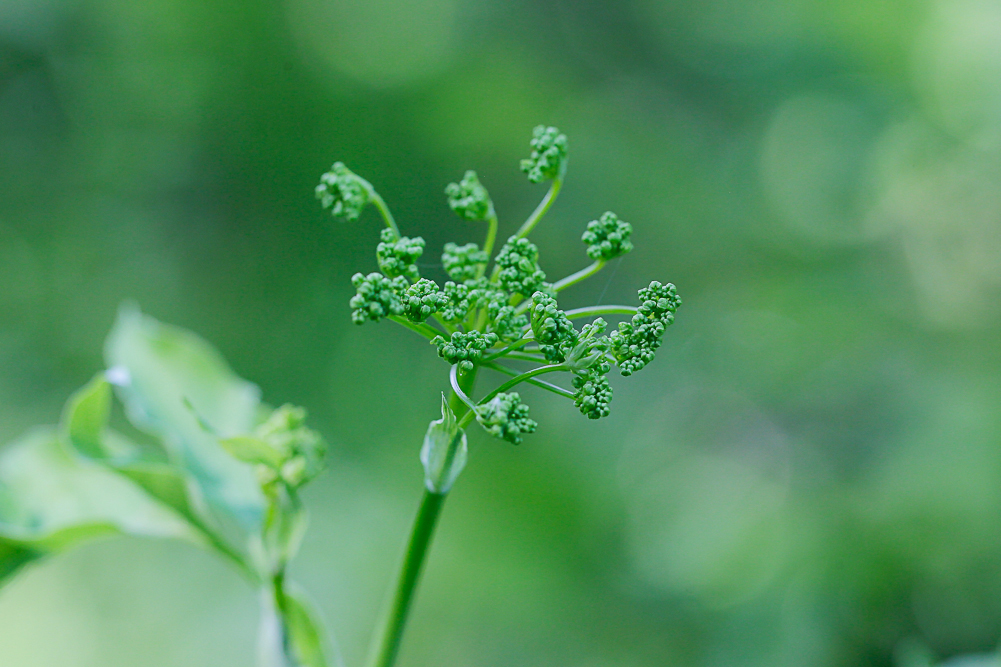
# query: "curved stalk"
384 210
541 209
536 216
593 311
575 278
523 377
454 379
517 345
425 330
532 381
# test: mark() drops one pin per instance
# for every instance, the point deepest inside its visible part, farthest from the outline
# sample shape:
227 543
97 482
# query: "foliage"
224 475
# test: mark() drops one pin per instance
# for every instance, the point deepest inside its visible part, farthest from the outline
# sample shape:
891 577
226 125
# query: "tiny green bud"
519 272
549 324
468 198
344 192
464 349
593 395
607 237
506 417
549 155
463 262
398 256
422 300
636 341
376 297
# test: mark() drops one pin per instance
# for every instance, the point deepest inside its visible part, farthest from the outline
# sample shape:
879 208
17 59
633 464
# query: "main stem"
386 643
389 632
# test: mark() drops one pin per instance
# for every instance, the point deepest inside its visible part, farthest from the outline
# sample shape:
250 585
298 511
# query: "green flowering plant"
487 319
225 471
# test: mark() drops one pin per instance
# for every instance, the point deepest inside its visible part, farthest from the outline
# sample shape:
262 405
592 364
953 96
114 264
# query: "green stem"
389 631
535 217
526 356
540 210
575 278
384 210
281 609
425 330
387 642
445 325
533 381
454 379
517 345
488 244
592 311
523 377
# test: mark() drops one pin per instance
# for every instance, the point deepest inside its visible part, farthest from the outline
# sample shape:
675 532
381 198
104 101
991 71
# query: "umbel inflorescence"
490 316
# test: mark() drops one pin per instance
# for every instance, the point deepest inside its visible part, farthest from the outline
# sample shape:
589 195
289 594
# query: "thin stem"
387 640
281 609
575 278
526 356
536 216
533 381
445 325
488 244
523 377
592 311
540 210
517 345
384 210
454 379
425 330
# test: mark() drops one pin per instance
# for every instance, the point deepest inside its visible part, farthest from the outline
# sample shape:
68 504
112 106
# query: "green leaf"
169 379
294 638
51 498
444 451
252 450
86 416
305 628
85 429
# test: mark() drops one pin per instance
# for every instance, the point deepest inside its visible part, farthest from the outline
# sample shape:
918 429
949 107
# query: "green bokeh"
810 474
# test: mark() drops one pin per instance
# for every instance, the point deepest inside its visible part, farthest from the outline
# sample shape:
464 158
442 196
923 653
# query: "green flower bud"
344 192
506 417
607 237
549 155
468 198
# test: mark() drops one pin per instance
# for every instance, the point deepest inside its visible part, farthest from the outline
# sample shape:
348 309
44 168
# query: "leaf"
295 639
85 428
163 370
51 498
252 450
444 451
86 416
305 629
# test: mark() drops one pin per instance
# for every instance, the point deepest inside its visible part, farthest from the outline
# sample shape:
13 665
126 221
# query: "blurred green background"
809 475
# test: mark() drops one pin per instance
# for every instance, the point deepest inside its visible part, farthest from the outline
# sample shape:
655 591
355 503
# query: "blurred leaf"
252 450
85 421
306 631
51 498
299 641
163 371
86 416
